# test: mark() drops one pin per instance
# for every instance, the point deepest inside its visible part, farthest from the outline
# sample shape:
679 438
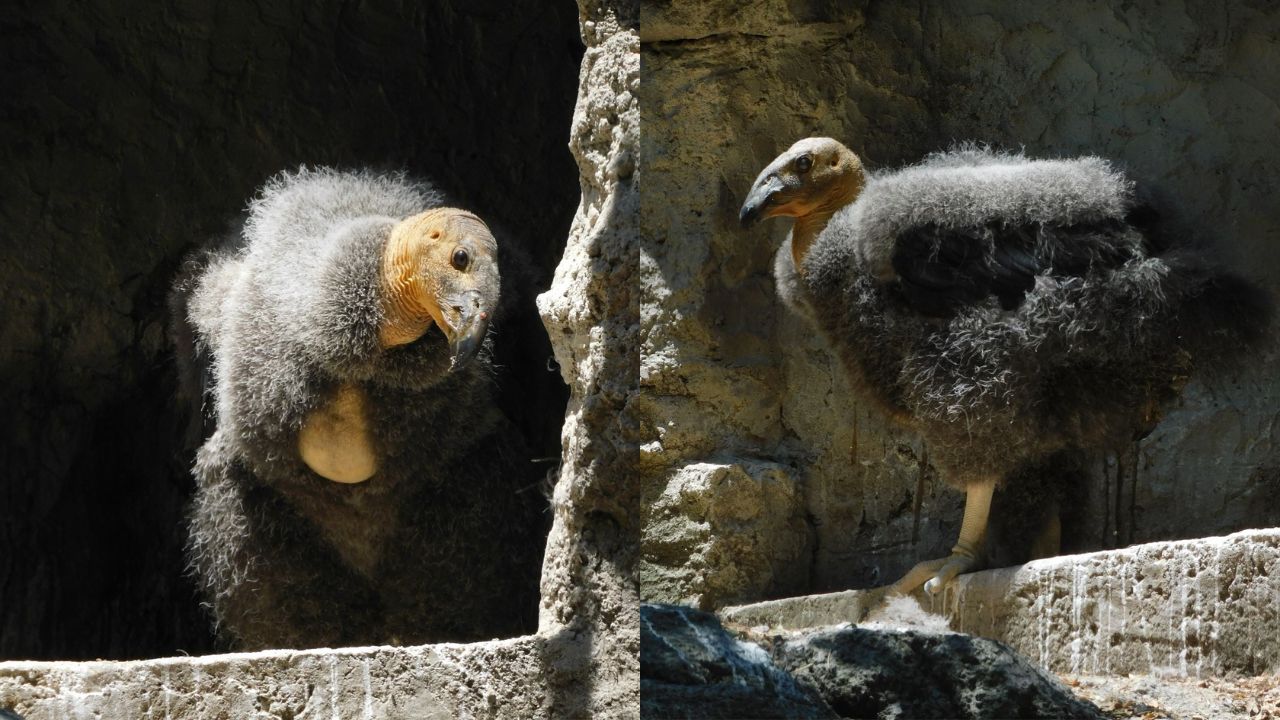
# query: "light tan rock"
590 609
584 661
1183 97
706 537
1189 608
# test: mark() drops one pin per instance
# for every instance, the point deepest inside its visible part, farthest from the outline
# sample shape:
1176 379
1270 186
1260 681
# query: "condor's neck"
804 232
810 225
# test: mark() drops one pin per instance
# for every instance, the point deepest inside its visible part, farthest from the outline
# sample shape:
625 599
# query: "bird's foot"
935 574
932 574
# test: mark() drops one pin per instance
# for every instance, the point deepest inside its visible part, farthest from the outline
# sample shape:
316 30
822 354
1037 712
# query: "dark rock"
130 135
691 668
865 673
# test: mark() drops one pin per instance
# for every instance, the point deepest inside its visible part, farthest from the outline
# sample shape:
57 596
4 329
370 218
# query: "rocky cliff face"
584 660
590 609
694 668
762 477
131 135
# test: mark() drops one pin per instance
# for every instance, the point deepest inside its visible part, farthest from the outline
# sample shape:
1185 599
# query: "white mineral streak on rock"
1077 600
1039 611
334 689
1104 639
165 688
1154 621
368 691
1213 603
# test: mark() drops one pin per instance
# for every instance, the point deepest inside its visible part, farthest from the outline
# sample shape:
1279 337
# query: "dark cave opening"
133 133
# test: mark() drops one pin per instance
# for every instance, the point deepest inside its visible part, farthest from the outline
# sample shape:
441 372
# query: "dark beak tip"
462 354
466 346
748 216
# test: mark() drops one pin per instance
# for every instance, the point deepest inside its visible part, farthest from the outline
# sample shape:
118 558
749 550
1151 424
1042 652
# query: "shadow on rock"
690 667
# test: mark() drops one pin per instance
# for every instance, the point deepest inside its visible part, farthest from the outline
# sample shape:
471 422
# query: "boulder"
691 667
881 673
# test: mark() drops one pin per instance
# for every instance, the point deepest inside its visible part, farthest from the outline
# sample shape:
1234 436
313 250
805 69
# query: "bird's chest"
374 461
356 521
352 496
336 439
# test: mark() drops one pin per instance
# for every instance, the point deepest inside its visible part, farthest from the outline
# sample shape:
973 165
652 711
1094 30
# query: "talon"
959 562
935 574
916 576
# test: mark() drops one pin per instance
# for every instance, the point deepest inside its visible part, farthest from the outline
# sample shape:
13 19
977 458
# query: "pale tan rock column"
589 600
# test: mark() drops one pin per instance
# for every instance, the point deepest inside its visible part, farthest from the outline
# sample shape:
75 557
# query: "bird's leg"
935 574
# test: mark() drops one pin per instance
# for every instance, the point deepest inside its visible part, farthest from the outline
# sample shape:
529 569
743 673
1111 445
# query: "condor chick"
1012 311
359 484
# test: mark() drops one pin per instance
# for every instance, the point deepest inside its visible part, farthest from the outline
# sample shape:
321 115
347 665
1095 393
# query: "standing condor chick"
1011 311
360 485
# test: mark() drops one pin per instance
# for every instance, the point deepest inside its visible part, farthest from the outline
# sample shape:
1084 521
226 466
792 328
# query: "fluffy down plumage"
1008 308
1013 311
444 542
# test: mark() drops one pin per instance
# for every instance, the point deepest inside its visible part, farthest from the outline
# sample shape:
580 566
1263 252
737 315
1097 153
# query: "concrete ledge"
1205 607
497 679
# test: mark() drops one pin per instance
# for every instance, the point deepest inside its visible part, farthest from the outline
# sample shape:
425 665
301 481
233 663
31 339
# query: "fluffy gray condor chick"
1012 311
359 484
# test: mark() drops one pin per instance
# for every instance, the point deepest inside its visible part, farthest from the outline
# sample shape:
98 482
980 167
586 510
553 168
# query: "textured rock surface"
1148 696
864 673
692 668
130 135
1197 608
1180 95
497 680
705 533
584 660
590 605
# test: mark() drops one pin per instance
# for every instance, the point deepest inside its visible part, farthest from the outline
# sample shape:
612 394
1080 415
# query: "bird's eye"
803 163
460 259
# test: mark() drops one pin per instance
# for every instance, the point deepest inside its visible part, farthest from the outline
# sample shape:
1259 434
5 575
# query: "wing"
941 270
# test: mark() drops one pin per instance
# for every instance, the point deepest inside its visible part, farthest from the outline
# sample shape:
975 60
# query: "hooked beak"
761 196
466 333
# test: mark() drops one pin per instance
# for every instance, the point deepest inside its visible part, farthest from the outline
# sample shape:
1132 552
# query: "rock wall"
584 660
737 393
1185 608
590 605
133 133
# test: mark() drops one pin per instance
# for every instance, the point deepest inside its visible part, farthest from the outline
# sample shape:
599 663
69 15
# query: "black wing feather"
942 269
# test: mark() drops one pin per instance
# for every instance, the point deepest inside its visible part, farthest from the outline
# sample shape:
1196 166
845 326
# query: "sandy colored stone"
1188 608
705 536
590 608
494 679
1182 96
584 660
1156 697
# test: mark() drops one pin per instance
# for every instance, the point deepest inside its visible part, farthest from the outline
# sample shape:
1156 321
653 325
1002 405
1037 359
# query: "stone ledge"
495 679
1190 608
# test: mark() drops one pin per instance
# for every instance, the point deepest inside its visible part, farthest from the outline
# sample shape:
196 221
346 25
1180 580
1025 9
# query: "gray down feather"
1011 309
442 543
